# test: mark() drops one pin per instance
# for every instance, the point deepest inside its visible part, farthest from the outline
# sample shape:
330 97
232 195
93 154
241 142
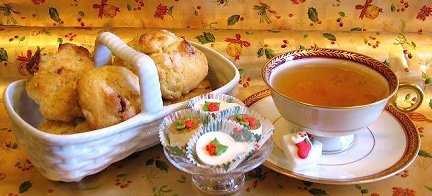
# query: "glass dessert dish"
221 150
211 182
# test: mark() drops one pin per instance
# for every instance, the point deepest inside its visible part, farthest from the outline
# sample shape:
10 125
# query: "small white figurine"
301 151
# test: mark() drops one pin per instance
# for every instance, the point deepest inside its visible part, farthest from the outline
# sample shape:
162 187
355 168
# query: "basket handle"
150 94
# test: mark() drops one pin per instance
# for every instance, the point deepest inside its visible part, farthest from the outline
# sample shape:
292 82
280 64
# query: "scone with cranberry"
54 78
108 95
181 66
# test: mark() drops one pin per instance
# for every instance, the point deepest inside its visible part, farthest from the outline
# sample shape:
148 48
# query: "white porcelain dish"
72 157
381 150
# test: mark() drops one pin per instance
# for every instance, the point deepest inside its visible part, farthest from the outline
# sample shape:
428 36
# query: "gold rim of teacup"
342 55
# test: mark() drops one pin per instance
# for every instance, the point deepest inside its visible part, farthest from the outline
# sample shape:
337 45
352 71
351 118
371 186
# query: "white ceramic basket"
72 157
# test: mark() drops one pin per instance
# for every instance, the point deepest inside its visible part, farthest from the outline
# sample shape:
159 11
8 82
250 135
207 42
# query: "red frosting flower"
211 149
211 106
215 148
188 123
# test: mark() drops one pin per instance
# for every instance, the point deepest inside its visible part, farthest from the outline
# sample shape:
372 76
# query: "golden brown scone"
181 66
54 79
108 95
58 127
203 88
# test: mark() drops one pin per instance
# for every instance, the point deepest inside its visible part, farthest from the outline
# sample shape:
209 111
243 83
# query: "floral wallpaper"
331 15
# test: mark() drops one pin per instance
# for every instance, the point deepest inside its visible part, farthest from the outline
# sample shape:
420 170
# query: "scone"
108 95
54 79
203 88
181 66
79 125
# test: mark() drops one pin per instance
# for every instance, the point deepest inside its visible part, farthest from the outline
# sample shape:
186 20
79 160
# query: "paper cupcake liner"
217 115
235 130
266 125
168 120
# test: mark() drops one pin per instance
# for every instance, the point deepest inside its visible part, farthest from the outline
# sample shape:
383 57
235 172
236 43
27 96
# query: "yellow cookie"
58 127
203 88
108 95
181 66
54 79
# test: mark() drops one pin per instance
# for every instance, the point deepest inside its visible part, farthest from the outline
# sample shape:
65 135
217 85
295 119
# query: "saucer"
381 150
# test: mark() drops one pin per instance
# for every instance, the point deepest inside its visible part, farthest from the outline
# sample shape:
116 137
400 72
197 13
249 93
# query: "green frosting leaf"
244 123
239 117
207 104
180 126
220 148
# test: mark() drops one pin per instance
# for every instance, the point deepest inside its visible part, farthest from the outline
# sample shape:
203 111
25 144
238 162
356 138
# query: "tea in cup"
332 93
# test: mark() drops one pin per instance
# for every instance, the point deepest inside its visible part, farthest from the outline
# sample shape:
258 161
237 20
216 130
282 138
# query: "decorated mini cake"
218 148
213 105
250 122
301 151
181 130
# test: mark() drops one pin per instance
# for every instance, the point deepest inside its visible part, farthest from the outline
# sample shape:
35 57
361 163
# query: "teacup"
334 124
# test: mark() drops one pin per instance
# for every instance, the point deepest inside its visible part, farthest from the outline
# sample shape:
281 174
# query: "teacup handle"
150 94
414 104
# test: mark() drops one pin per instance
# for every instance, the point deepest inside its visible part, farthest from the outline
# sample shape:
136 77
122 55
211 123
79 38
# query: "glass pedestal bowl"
210 182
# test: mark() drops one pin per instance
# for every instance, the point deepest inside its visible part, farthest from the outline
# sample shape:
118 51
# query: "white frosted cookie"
301 152
217 148
180 131
250 122
213 105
